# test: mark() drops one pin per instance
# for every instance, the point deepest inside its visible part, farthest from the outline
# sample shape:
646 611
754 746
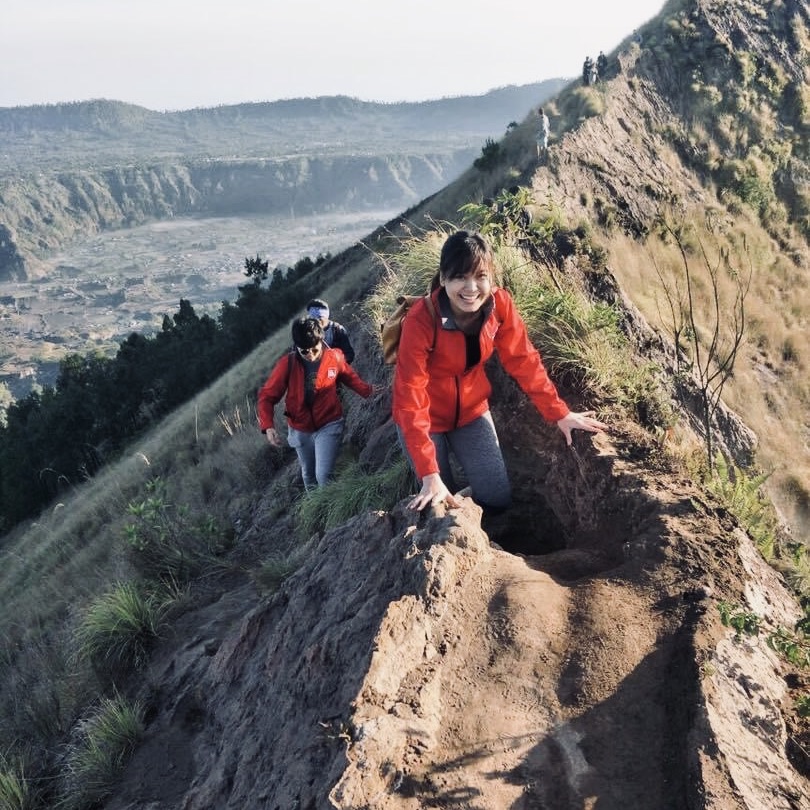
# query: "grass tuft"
118 628
105 741
15 790
354 491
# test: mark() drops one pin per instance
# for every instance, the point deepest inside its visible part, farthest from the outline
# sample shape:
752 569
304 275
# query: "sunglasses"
307 352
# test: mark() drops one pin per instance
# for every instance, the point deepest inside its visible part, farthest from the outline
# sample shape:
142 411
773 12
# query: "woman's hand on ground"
272 437
433 493
580 421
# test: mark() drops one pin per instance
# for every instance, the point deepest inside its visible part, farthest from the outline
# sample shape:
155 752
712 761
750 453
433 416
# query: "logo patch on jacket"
331 373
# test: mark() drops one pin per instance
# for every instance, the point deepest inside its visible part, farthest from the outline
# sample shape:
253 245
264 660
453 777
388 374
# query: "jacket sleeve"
523 362
411 405
272 391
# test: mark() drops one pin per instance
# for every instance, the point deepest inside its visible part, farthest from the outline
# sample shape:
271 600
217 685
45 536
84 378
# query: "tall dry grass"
769 388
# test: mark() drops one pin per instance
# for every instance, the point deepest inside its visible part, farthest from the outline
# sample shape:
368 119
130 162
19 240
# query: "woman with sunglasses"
309 376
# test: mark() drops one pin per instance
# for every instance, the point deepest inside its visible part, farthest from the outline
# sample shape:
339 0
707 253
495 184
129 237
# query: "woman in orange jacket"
441 391
309 375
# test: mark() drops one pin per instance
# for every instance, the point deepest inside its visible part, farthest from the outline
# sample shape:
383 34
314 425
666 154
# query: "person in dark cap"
601 66
334 334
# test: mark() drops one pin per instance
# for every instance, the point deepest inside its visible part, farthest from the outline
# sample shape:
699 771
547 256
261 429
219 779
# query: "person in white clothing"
542 132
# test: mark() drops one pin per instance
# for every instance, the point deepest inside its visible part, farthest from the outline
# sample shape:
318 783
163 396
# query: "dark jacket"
336 336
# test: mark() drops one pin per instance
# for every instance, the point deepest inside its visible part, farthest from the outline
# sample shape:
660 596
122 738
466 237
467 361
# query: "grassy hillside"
672 175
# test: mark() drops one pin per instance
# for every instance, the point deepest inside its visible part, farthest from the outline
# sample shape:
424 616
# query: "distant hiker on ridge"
543 128
601 66
588 71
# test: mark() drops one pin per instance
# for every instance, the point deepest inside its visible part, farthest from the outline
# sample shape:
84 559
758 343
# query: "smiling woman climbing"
441 390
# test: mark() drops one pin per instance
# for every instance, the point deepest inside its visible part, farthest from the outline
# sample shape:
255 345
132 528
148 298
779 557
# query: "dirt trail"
529 693
413 663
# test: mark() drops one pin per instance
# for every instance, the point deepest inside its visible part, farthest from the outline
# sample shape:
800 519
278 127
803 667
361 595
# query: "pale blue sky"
179 54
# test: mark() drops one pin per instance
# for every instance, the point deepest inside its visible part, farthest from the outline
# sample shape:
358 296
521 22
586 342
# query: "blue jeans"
317 452
478 453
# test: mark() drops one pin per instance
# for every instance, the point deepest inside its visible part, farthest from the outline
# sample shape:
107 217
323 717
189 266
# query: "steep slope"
573 657
657 150
411 663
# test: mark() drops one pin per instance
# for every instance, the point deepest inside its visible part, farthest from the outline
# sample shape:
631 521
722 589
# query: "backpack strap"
432 310
289 365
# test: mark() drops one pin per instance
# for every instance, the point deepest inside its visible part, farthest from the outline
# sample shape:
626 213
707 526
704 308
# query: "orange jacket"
432 391
288 375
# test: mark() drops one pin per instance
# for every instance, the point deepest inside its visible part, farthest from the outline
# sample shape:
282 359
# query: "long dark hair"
463 252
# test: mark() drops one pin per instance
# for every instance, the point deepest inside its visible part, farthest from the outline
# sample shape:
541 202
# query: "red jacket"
434 394
288 375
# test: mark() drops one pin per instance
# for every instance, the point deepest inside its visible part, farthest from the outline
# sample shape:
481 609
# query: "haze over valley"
91 295
111 213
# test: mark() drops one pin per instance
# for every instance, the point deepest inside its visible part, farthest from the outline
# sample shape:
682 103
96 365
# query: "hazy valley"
91 295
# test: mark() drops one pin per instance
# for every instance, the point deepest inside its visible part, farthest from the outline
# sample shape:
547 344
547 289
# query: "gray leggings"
478 453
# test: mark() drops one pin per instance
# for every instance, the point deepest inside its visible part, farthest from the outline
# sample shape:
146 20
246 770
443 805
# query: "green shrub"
742 621
166 542
751 180
492 156
742 495
512 216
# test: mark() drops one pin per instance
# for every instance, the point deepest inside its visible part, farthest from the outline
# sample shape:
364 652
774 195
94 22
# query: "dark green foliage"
491 156
58 437
166 541
743 622
256 269
546 237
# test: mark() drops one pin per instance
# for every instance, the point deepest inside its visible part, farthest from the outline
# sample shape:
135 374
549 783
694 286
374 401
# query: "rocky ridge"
571 657
412 662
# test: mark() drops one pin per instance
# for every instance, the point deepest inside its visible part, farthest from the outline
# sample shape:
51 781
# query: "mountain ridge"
574 657
274 127
89 166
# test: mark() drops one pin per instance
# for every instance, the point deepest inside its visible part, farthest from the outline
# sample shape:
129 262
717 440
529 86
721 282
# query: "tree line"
65 433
